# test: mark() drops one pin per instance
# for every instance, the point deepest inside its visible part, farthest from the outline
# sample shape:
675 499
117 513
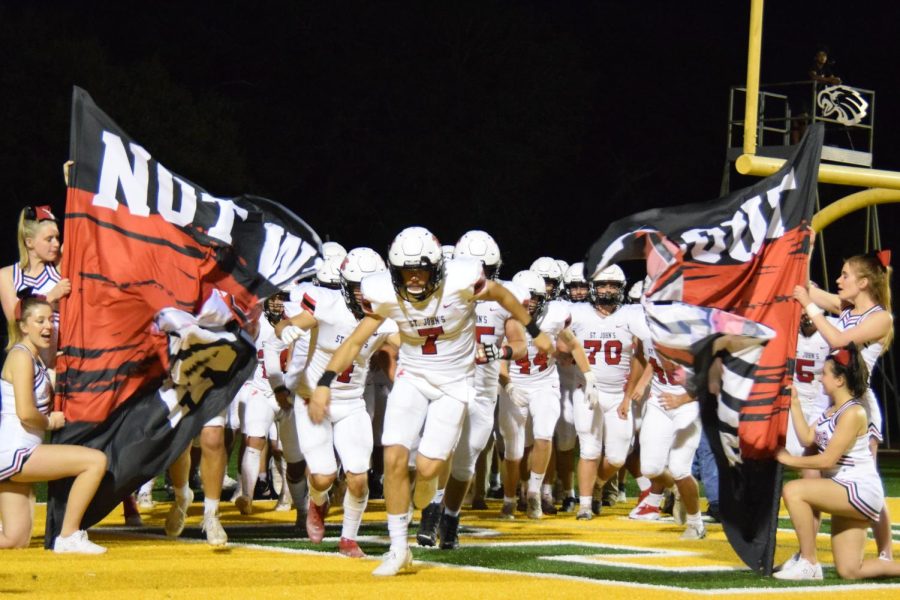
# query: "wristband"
326 379
533 329
812 310
506 352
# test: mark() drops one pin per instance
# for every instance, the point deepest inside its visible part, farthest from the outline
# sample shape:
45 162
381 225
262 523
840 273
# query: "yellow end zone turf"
141 565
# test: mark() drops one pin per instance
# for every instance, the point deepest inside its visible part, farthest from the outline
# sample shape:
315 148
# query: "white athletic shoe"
229 483
215 533
393 562
244 504
77 543
644 512
145 501
283 506
801 570
623 497
788 563
177 514
534 507
694 531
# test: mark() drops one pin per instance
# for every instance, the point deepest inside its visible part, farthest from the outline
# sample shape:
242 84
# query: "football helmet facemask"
532 283
611 276
273 307
416 249
549 269
358 263
575 284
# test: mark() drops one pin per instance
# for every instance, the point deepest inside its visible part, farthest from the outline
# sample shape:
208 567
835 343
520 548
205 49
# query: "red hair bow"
884 257
842 357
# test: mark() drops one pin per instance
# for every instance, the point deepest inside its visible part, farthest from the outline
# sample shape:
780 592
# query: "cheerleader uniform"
17 440
870 353
855 469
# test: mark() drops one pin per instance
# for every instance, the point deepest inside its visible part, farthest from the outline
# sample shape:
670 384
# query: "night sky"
540 122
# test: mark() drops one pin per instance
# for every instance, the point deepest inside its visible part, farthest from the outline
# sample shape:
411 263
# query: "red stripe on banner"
124 269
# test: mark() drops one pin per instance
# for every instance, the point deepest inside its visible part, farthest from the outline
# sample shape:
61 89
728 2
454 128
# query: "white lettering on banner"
227 209
707 245
283 253
116 170
165 198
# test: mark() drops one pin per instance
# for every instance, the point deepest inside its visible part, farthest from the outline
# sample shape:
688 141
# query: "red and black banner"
723 275
139 240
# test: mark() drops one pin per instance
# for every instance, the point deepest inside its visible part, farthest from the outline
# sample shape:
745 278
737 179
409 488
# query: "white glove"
291 334
591 396
517 397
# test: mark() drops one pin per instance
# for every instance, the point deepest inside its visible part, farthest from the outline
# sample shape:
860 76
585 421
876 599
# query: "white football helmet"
328 274
549 269
575 284
634 294
447 251
534 284
358 263
612 274
480 245
333 249
563 266
416 248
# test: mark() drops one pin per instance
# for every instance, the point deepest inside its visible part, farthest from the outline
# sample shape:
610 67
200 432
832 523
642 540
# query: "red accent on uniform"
309 304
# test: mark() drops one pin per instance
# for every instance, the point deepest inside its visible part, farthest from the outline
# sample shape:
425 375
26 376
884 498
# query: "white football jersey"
811 354
335 324
438 334
266 341
608 342
537 366
490 328
569 374
303 299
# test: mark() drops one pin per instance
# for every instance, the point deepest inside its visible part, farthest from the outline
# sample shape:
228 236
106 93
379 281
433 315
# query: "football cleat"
801 570
449 532
479 504
584 515
315 521
534 507
644 512
547 506
350 548
508 511
569 504
215 533
177 514
392 562
428 526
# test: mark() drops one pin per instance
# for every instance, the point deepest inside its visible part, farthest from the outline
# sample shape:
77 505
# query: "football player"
346 428
497 335
532 391
548 268
606 330
433 303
